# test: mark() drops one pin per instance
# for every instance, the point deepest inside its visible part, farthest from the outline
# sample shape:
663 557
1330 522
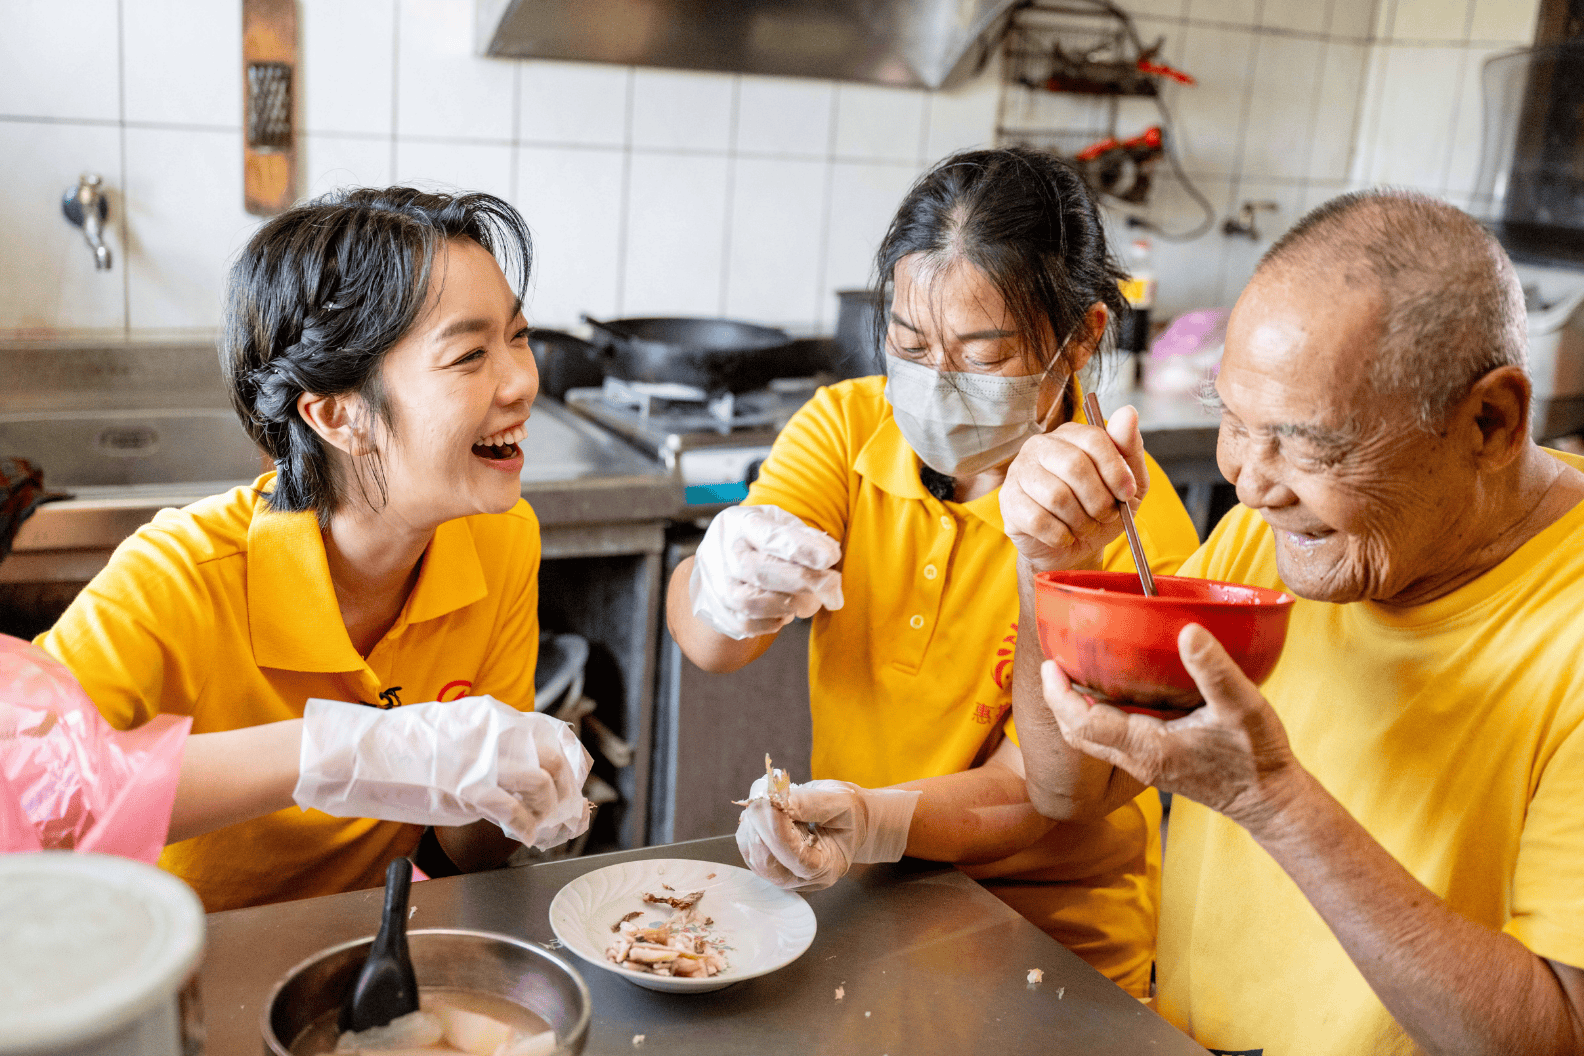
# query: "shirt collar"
887 462
451 577
294 619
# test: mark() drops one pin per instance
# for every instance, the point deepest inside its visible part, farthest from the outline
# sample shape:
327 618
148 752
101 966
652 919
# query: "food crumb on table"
841 992
1060 990
866 1015
1035 976
638 1041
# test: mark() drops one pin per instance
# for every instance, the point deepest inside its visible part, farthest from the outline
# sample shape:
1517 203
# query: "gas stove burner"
686 407
642 394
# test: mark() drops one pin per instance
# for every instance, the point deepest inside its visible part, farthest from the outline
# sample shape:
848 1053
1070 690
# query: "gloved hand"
826 827
446 763
758 567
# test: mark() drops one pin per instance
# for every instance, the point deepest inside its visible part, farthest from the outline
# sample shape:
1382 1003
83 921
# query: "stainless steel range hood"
907 43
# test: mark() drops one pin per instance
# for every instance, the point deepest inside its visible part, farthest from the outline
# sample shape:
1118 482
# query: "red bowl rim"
1268 598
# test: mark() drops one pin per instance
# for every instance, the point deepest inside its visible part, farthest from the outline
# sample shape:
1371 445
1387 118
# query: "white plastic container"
98 955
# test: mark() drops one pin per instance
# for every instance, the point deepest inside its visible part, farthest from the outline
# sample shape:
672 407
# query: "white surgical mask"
961 424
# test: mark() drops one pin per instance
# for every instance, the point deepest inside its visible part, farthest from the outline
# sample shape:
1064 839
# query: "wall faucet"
1244 224
86 206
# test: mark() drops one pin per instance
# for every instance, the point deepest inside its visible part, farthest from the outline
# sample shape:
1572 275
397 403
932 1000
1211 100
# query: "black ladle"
386 988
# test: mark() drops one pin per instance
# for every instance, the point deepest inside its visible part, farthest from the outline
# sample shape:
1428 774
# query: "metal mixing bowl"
454 959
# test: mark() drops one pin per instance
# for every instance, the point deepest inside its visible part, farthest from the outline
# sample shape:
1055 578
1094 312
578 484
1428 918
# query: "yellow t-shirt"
1451 731
225 611
912 677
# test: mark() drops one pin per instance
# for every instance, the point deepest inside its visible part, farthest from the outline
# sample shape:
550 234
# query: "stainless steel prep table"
930 962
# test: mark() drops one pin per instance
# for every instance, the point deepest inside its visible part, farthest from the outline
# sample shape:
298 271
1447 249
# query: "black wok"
709 354
564 362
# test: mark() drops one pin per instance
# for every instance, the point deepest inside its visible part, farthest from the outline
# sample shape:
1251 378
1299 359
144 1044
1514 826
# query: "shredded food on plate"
682 944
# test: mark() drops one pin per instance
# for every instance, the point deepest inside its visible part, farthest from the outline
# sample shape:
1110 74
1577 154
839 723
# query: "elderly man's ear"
1496 415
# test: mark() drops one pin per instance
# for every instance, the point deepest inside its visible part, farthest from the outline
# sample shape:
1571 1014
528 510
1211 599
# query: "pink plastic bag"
70 781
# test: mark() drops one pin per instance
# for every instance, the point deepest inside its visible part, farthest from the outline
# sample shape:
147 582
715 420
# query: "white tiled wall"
1273 118
1422 110
648 190
1300 100
662 191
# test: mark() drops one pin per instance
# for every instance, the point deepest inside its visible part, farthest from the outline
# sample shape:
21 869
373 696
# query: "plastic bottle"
1139 292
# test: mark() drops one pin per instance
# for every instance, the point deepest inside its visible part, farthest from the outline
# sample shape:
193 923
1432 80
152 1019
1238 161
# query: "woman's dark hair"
318 297
1025 219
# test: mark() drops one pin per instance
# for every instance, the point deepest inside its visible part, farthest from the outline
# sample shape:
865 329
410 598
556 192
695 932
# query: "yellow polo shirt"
1453 731
912 677
224 611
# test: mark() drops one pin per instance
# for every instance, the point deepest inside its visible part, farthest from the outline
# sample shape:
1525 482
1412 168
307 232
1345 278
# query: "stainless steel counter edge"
592 493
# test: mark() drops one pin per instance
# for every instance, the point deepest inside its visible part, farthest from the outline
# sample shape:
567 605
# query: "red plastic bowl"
1120 647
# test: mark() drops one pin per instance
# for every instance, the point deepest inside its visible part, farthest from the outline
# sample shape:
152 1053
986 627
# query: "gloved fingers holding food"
788 853
445 763
758 567
814 832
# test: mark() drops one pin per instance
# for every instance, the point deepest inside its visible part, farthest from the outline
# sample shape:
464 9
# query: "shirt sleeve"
809 470
1548 881
507 673
130 636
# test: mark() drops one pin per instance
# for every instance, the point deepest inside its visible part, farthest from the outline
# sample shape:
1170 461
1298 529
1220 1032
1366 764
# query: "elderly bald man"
1382 847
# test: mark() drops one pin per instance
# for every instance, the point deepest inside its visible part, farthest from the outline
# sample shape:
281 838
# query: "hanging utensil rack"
1073 73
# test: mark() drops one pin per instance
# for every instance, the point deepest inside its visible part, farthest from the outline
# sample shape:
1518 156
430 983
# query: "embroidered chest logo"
1003 661
1001 674
391 698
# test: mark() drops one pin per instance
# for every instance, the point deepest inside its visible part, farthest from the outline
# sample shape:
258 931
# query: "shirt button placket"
932 574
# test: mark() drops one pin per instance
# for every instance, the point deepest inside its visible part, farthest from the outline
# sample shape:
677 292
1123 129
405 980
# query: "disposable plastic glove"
758 567
827 826
446 763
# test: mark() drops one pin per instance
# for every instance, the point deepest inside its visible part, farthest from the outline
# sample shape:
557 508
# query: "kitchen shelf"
1087 46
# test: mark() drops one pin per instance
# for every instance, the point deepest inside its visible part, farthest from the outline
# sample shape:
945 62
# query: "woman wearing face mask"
356 632
877 513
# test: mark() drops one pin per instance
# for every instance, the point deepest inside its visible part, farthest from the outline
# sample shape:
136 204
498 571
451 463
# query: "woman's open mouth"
498 447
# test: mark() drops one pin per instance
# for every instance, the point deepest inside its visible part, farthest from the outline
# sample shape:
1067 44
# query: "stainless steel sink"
118 448
120 419
130 428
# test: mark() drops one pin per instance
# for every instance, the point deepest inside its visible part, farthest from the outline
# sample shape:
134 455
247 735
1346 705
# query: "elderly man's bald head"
1452 309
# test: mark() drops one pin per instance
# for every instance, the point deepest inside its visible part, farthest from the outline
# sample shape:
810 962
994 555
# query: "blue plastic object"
710 494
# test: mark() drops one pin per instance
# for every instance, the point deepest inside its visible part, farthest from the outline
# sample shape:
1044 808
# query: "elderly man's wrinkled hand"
1059 500
1231 754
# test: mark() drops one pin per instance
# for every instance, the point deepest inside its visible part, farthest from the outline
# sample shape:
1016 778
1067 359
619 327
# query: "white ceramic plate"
765 928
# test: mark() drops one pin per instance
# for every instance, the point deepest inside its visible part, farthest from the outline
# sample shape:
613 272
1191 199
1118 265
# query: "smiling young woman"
377 351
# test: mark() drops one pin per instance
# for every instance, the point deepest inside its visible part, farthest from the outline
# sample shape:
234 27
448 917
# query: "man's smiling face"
1363 503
